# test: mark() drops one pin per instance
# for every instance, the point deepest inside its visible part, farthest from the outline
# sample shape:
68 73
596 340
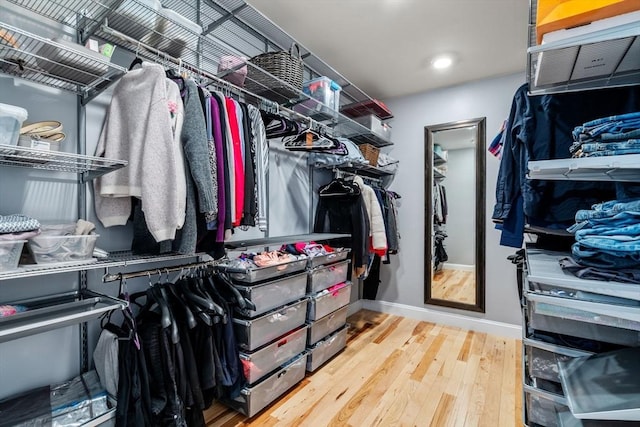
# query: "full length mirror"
455 214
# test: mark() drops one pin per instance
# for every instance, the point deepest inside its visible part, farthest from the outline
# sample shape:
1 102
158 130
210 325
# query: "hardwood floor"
454 285
397 371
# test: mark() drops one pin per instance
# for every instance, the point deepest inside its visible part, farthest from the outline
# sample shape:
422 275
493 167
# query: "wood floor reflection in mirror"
454 285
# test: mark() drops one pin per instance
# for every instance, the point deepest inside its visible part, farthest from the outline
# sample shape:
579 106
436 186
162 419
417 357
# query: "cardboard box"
554 15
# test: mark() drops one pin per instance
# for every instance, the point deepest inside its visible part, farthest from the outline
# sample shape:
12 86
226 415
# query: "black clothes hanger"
167 315
187 294
203 298
179 302
233 295
278 126
137 62
339 187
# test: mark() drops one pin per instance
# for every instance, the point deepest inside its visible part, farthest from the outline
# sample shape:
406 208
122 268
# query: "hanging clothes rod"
113 277
340 174
264 103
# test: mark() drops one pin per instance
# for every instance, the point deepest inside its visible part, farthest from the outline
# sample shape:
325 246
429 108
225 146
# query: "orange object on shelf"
555 15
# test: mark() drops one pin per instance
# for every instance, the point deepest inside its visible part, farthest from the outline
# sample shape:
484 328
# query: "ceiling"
385 47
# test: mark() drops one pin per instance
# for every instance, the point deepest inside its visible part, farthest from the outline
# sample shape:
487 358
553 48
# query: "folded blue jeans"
611 136
605 146
608 209
613 124
613 152
604 258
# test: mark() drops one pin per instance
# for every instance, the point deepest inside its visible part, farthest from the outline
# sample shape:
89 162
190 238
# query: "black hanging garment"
372 282
342 210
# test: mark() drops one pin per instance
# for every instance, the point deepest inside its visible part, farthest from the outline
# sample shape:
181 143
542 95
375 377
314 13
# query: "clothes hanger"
200 297
179 301
137 61
237 298
339 187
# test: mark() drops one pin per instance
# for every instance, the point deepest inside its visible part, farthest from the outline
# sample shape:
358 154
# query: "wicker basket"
286 67
370 153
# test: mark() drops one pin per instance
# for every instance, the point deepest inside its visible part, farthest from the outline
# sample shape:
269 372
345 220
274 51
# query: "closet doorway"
455 214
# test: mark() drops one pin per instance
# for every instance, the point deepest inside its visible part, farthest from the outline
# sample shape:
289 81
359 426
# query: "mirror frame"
480 203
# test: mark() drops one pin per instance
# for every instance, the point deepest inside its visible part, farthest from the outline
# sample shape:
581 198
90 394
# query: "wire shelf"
52 63
228 29
115 259
91 167
359 169
48 313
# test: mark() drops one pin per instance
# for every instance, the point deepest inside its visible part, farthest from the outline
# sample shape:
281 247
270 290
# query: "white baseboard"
440 317
354 307
459 267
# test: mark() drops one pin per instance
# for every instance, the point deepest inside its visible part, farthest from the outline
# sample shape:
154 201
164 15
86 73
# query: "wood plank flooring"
454 285
397 371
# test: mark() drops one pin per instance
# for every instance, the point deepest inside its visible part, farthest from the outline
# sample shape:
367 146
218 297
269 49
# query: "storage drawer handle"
283 342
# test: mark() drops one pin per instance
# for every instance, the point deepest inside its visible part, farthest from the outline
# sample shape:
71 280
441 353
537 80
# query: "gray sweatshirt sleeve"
196 148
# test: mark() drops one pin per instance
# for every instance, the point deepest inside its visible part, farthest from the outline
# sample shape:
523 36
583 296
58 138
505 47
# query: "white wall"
403 280
461 196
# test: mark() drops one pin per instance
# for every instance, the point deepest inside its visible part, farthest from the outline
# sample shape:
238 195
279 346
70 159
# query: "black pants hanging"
372 281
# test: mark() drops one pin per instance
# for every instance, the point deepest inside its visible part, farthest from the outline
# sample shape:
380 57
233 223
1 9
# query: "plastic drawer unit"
542 407
328 301
272 294
328 275
327 325
263 361
566 419
254 333
255 398
253 275
543 358
610 323
335 256
10 251
324 350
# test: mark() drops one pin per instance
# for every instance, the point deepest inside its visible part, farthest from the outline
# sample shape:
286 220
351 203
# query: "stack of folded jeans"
608 238
609 136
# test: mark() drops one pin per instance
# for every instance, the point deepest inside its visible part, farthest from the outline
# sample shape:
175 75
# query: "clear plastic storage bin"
328 324
263 361
543 358
542 407
50 249
320 353
11 119
324 90
255 398
330 258
10 254
324 303
255 333
269 295
323 277
258 274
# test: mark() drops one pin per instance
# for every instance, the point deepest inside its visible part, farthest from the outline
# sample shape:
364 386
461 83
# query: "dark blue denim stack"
608 240
608 136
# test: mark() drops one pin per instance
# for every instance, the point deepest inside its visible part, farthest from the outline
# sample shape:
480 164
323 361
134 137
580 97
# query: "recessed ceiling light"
442 62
